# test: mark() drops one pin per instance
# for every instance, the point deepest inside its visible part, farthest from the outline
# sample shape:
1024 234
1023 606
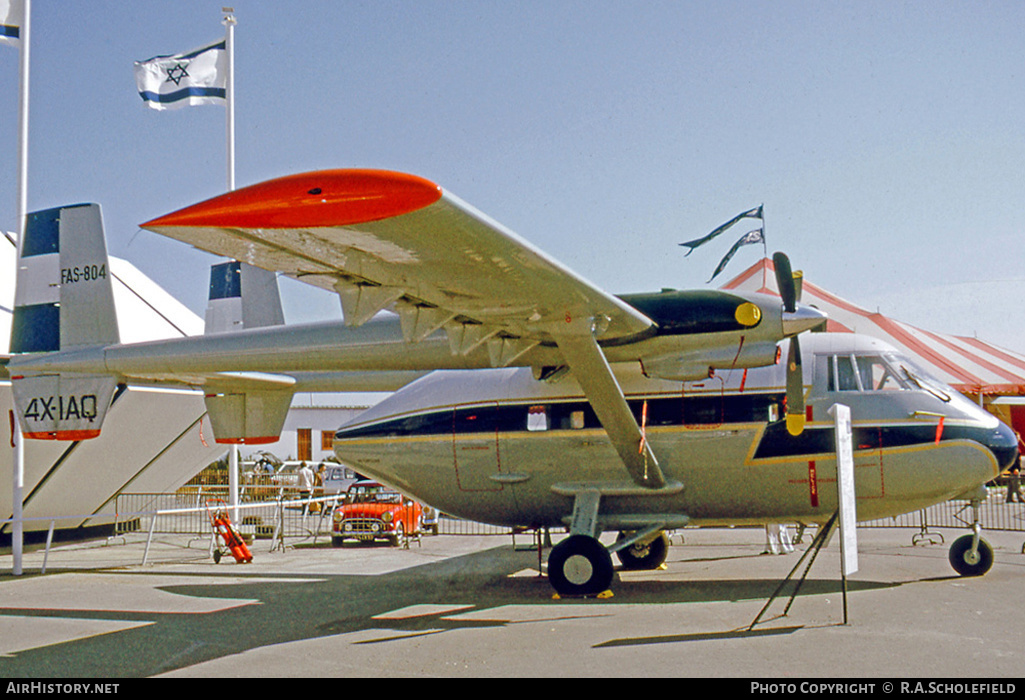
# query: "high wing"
380 238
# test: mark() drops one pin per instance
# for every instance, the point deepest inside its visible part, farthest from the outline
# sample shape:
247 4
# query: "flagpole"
229 46
18 485
229 95
765 249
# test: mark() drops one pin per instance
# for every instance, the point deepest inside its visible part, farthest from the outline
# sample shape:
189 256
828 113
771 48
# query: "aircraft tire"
963 562
580 566
645 557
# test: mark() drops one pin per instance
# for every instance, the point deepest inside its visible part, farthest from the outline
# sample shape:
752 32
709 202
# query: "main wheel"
579 565
644 557
967 564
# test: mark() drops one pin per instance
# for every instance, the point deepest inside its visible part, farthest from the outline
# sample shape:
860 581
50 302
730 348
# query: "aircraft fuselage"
500 446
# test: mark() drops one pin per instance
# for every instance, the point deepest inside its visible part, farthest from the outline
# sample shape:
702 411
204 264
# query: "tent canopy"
970 365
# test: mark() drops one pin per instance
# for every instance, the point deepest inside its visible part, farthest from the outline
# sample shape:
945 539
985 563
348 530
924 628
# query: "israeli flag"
198 77
12 14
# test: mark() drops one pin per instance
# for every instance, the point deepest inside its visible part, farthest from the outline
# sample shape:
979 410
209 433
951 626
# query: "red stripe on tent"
1018 362
988 366
923 350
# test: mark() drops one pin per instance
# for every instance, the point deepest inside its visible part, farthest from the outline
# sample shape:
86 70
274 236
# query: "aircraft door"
476 447
868 462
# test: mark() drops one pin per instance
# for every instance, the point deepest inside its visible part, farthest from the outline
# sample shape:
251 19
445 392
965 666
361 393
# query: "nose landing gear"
970 555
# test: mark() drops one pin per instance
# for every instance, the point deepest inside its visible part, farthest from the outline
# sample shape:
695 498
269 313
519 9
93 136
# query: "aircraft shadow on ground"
323 605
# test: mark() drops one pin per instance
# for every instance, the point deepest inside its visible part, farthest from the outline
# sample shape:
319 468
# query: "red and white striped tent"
989 374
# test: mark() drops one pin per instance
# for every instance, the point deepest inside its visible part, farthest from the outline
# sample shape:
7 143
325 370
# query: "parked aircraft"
502 447
471 295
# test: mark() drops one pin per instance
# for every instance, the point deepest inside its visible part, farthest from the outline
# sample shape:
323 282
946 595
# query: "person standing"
1014 482
305 481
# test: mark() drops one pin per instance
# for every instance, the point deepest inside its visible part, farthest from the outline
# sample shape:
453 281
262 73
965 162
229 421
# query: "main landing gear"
581 565
970 555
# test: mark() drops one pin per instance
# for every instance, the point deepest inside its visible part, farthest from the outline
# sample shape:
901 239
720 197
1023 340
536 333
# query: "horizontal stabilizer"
248 418
62 407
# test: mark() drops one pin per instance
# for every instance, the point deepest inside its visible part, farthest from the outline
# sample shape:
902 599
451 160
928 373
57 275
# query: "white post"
846 498
233 484
18 485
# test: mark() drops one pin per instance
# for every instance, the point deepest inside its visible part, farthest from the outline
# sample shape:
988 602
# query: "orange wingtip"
308 200
73 435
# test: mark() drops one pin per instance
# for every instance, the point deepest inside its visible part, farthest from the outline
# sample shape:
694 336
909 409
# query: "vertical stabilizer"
242 296
63 297
63 300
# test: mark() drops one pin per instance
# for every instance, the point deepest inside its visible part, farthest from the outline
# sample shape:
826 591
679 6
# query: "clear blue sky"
885 139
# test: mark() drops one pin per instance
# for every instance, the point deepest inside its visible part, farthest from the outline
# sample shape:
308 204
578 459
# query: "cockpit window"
924 381
878 375
865 373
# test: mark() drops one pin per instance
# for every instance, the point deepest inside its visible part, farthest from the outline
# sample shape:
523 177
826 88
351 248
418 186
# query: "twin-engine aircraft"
569 405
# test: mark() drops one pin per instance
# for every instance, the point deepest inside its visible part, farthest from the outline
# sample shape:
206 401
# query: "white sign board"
845 489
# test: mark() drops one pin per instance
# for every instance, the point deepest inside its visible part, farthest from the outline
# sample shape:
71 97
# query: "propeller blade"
785 281
795 389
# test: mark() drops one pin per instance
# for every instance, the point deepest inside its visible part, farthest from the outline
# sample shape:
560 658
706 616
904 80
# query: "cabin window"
576 420
537 418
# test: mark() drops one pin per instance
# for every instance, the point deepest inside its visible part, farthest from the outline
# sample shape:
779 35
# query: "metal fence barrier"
994 514
184 512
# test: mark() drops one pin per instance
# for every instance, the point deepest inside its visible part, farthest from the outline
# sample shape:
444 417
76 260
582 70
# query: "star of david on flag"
194 78
12 15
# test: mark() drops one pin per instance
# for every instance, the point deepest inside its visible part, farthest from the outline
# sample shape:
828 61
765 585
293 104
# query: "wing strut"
592 371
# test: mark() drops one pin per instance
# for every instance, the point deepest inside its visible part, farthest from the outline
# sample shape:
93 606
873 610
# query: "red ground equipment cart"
217 509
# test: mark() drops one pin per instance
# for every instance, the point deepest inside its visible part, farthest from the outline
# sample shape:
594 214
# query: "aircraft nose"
801 319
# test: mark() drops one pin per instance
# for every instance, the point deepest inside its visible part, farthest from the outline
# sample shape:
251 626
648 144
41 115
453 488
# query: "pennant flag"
751 214
12 14
195 78
756 236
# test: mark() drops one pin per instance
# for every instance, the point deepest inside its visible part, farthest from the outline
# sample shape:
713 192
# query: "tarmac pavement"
472 606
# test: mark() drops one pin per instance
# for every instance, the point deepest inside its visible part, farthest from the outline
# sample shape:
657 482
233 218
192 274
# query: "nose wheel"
970 555
969 559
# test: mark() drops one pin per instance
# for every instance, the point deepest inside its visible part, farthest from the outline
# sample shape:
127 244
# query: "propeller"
785 281
789 290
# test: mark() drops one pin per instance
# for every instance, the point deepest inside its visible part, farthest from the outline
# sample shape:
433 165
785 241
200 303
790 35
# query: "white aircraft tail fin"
63 297
63 300
242 296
